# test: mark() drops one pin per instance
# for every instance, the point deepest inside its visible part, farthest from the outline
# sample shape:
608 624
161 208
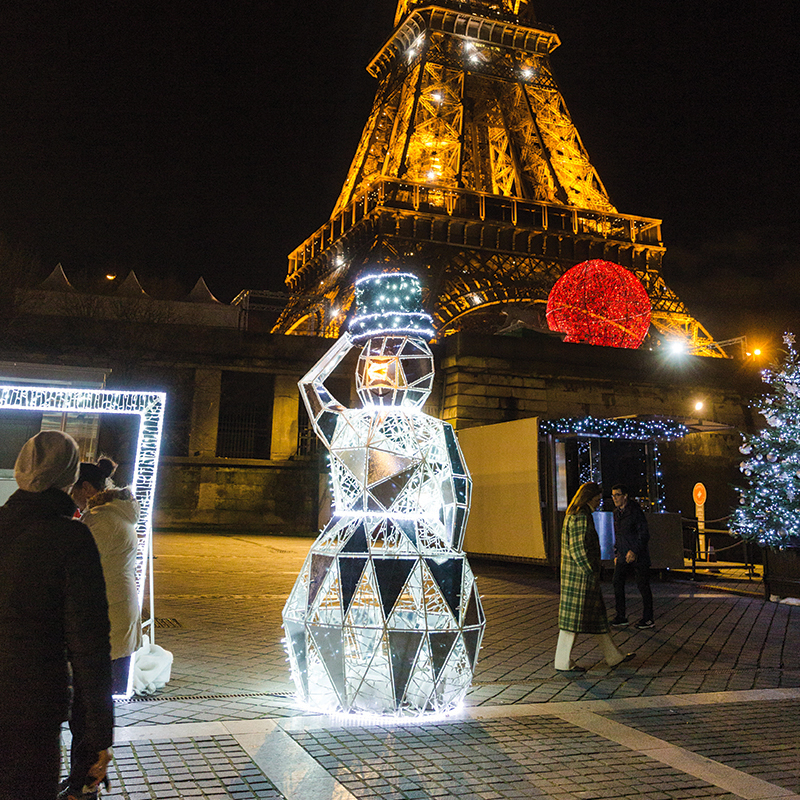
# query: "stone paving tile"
204 767
227 594
525 757
759 738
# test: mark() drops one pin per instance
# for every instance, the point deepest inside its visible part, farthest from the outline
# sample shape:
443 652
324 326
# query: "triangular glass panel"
389 490
415 396
455 678
376 693
327 423
421 682
357 543
328 640
297 603
391 574
345 434
355 459
360 645
453 450
383 464
312 400
441 644
403 646
437 612
447 573
365 607
317 574
327 607
409 529
413 349
296 645
472 641
474 613
320 689
408 612
373 504
350 569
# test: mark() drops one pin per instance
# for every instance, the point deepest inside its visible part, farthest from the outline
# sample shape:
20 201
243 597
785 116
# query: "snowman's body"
385 615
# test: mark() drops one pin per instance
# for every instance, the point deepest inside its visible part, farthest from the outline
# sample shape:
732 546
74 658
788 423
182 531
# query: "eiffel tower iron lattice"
470 173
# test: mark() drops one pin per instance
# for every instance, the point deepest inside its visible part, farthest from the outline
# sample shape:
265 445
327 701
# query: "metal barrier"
698 554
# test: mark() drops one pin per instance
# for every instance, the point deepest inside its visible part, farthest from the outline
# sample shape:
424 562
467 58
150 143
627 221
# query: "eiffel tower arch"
471 173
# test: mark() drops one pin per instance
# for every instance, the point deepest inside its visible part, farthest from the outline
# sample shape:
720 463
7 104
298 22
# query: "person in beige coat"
111 517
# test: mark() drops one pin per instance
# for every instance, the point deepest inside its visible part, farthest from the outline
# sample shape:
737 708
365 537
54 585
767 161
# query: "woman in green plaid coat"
582 609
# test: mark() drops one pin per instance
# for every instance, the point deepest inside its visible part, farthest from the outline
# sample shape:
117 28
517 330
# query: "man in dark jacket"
53 611
631 554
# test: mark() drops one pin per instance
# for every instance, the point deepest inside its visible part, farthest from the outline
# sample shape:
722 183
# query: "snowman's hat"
389 304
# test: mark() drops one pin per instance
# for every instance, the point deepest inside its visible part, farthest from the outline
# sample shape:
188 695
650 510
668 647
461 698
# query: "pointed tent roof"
201 294
131 287
57 281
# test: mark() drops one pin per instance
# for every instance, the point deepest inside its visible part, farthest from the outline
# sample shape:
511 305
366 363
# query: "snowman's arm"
322 407
462 487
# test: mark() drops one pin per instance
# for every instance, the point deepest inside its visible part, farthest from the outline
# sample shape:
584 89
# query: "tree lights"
601 303
769 506
385 616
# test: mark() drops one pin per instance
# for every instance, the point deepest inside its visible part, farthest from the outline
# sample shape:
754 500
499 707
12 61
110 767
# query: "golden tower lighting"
471 173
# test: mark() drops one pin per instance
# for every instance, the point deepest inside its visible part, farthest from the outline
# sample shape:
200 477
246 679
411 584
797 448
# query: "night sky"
212 137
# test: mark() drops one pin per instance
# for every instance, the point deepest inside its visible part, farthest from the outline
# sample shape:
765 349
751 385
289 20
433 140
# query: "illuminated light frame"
149 406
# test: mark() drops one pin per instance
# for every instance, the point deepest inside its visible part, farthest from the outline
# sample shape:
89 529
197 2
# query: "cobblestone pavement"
708 707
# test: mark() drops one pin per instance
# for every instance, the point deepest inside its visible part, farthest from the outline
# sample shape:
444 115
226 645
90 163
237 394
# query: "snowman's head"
395 371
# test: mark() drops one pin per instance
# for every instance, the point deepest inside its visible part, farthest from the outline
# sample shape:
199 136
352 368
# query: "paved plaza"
709 707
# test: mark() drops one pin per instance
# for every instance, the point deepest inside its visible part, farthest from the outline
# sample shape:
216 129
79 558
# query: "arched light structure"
149 407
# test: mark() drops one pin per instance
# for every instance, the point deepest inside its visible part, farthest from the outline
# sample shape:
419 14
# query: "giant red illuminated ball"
599 302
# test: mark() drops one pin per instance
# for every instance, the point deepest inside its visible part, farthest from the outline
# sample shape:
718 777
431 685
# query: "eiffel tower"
471 174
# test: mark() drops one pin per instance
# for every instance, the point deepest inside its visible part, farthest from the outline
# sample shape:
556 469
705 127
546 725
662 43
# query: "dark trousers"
642 574
83 757
29 760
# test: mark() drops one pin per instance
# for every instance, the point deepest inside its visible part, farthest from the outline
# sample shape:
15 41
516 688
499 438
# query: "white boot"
563 649
611 654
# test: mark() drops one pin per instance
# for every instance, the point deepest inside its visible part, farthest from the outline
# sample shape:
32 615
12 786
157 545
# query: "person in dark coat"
581 608
53 614
631 554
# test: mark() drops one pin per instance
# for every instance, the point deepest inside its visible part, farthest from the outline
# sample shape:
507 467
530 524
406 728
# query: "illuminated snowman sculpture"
385 616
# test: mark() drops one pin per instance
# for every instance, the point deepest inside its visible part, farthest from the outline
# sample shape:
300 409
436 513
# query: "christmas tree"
769 507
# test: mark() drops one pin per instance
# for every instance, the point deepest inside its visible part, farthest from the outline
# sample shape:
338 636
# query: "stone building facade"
237 451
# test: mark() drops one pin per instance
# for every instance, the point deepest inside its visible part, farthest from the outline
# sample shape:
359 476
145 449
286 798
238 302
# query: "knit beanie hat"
50 458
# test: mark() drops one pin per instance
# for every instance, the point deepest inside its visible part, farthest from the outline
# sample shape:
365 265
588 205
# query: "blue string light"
633 429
